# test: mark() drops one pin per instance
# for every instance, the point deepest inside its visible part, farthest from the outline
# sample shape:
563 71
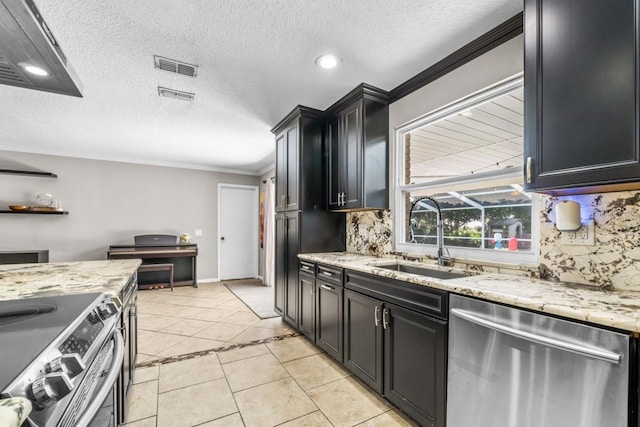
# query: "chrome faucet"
442 259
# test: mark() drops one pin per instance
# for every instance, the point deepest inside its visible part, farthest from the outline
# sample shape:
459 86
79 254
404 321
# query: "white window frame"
453 184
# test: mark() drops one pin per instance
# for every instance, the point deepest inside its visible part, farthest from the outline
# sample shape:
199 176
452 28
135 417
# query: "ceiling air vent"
176 94
174 66
9 75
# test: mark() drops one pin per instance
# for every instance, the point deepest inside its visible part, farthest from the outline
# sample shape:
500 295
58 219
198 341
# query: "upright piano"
161 250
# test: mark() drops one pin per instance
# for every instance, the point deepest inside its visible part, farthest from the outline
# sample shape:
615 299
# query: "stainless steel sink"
422 271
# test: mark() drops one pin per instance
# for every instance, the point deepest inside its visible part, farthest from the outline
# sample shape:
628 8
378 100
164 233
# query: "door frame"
255 224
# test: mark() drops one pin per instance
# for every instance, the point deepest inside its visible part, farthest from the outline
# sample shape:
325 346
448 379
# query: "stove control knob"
107 310
70 364
51 388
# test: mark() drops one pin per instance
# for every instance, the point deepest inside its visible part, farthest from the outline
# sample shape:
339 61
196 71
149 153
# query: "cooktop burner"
28 326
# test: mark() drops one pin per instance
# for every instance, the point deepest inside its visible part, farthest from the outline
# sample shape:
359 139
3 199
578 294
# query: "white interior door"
237 231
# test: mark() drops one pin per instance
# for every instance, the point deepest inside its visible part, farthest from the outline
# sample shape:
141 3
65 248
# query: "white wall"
109 203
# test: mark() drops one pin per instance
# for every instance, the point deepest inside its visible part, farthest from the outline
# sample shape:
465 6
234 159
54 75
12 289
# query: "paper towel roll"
568 216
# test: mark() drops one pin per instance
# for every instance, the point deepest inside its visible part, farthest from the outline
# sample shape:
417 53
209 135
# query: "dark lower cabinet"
415 364
307 308
399 351
363 338
329 318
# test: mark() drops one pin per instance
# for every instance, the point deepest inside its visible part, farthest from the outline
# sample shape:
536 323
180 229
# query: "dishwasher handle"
596 353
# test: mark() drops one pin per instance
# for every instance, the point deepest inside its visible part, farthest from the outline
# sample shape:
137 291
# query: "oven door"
95 404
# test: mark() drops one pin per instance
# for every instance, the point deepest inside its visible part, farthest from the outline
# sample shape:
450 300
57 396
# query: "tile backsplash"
612 262
369 232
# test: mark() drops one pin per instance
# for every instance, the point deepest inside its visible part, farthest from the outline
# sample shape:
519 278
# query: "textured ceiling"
256 61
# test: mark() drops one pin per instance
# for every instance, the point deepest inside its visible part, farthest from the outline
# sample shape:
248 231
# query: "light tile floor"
288 382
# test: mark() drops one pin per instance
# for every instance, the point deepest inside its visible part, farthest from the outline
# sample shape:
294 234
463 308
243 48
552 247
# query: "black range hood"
27 42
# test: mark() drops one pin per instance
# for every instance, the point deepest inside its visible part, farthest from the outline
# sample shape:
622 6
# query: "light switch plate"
198 233
584 236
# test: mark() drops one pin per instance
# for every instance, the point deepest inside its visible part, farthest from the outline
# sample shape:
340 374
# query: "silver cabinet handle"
596 353
326 273
528 171
326 287
385 318
306 267
376 319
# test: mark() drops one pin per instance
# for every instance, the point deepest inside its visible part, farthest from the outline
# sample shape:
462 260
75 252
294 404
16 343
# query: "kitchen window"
467 157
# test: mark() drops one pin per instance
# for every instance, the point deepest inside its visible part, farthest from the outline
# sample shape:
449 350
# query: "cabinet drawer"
307 267
419 298
330 274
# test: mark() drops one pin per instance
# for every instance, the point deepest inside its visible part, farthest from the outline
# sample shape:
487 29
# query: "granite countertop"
18 281
617 308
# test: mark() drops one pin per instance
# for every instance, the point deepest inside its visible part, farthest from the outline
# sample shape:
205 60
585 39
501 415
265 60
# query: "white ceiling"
256 61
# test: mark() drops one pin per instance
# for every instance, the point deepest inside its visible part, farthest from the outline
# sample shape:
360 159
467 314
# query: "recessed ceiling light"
37 71
466 113
327 61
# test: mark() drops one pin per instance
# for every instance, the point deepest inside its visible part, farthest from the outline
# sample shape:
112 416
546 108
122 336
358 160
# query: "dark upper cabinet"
581 96
300 161
303 223
357 140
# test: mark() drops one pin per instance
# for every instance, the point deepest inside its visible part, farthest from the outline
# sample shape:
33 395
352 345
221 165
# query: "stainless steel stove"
65 355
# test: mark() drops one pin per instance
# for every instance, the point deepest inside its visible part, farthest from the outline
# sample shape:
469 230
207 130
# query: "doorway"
237 231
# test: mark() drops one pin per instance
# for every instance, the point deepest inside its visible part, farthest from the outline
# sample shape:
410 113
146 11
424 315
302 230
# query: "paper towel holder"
568 215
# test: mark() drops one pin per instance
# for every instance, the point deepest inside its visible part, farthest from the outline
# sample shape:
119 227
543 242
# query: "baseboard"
212 280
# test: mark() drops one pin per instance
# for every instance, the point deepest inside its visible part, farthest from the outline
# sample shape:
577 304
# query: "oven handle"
114 371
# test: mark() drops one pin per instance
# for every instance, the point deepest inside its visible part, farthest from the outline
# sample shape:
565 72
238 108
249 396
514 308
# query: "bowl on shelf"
19 207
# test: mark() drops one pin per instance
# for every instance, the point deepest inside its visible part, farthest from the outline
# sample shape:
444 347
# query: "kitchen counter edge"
619 309
19 281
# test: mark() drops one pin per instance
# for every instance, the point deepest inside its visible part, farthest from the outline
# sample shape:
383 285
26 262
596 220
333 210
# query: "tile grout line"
224 348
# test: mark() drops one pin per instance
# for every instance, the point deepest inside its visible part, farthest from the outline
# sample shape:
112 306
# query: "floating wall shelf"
6 211
28 173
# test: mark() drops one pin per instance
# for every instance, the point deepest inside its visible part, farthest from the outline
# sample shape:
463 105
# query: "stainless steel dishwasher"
512 368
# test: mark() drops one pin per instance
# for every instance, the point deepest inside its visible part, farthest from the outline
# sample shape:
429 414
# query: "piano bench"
158 267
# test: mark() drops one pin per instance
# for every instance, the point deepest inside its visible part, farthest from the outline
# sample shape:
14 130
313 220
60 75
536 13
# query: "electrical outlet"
584 236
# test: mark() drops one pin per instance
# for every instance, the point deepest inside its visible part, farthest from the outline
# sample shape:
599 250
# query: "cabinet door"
291 269
351 163
281 171
280 262
329 318
415 364
333 146
307 311
363 338
581 96
291 194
